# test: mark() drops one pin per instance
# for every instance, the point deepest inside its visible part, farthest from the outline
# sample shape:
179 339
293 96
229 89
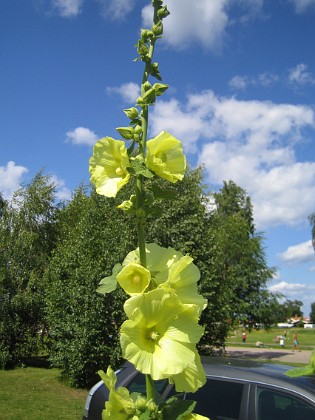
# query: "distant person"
244 337
282 342
295 342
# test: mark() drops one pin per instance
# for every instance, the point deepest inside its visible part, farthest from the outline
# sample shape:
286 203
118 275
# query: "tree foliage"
93 236
312 313
27 237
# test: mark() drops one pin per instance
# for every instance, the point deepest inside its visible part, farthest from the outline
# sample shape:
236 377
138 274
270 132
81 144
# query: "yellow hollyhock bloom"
108 166
158 336
134 278
173 271
182 279
192 378
165 157
159 260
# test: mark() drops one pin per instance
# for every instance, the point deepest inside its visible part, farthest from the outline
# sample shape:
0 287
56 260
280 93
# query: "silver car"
235 390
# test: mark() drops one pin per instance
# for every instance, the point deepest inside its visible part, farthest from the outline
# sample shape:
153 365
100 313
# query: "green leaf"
109 284
176 408
139 168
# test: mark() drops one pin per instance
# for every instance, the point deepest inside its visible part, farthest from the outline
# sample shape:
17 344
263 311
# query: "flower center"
119 171
136 279
154 335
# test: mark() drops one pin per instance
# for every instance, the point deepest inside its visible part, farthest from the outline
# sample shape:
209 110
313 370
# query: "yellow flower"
108 166
192 378
134 278
165 157
182 279
173 271
158 336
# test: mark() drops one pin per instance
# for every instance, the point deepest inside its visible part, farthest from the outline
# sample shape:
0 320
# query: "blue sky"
241 98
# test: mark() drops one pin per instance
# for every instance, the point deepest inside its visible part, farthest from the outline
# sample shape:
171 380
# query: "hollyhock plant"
162 329
108 166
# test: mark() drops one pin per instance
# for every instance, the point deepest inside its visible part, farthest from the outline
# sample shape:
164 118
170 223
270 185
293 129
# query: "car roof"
252 371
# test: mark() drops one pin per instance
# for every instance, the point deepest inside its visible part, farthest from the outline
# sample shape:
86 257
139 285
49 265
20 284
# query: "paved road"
282 355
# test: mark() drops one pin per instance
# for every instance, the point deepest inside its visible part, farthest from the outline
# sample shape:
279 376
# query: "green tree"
93 236
292 308
237 270
27 237
312 313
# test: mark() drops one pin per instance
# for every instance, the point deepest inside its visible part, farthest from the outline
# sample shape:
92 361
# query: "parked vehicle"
236 389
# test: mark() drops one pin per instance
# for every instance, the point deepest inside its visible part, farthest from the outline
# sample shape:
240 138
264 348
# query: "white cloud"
82 135
204 21
128 91
68 8
265 79
301 75
11 177
239 82
301 6
62 192
288 288
253 144
300 253
116 9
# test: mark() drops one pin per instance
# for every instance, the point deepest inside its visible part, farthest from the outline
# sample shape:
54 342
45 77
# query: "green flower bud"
163 12
140 213
142 48
126 132
157 29
131 113
138 129
159 88
146 86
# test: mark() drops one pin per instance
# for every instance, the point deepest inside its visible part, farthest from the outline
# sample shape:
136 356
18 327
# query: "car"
236 389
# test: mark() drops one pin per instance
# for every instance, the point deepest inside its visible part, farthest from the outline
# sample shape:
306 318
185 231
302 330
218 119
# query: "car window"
137 384
219 400
277 405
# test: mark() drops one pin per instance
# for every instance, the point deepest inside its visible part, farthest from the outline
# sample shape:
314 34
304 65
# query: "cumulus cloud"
288 288
128 91
300 253
11 177
204 21
265 79
116 9
82 135
68 8
252 143
302 6
301 76
62 192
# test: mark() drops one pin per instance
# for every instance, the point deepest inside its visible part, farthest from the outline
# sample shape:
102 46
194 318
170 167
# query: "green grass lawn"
38 394
306 338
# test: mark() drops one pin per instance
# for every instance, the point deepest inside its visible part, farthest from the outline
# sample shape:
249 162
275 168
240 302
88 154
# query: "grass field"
306 338
38 394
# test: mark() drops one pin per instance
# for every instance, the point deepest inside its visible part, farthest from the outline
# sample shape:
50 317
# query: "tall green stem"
140 191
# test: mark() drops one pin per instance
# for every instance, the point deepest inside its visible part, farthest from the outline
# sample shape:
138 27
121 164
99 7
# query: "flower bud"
163 12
